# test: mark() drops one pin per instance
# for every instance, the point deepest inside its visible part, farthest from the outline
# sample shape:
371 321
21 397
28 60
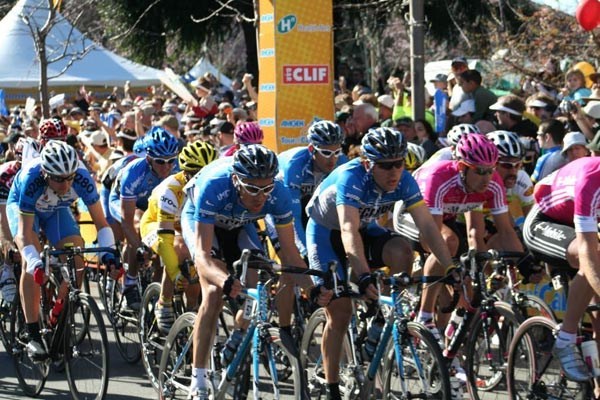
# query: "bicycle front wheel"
151 340
422 372
86 350
175 372
533 372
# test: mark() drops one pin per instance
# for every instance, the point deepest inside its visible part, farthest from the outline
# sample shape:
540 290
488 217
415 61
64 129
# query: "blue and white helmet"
160 143
383 144
255 161
324 133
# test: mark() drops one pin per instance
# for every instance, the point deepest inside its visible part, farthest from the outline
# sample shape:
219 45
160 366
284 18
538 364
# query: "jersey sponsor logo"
550 232
306 74
307 189
287 24
370 213
221 196
168 201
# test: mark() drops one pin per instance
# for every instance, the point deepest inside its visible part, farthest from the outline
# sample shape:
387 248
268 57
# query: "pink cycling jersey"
445 194
572 194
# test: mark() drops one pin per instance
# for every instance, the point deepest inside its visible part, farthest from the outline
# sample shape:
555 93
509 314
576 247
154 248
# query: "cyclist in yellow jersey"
160 229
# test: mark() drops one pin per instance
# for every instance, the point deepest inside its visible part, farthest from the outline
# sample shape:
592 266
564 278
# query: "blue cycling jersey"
134 182
30 191
353 185
214 199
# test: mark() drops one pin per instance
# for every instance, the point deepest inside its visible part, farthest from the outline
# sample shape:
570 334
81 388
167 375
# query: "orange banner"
296 69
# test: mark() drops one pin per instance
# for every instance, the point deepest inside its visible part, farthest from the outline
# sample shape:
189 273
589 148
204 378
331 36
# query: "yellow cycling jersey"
166 201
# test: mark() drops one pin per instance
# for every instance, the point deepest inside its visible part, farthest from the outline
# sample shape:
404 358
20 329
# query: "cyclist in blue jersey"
303 168
129 198
342 226
39 199
225 198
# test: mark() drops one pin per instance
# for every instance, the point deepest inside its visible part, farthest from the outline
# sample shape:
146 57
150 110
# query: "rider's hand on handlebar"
366 286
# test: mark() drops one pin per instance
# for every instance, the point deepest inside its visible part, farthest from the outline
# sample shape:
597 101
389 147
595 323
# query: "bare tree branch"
225 6
376 3
462 33
128 31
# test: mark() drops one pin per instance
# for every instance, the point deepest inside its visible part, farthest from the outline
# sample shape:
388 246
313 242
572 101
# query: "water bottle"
455 320
231 346
8 284
55 312
373 336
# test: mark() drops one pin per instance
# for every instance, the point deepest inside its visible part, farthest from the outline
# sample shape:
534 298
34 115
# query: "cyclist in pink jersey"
462 186
562 229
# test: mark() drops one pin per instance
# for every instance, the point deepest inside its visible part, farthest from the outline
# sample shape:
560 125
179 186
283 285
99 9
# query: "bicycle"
485 331
151 339
534 373
407 362
8 310
78 338
261 344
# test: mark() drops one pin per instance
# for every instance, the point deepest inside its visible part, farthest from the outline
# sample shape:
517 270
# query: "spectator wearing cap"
540 106
588 119
509 116
386 108
457 96
470 82
407 126
463 114
440 102
225 136
574 146
97 152
550 138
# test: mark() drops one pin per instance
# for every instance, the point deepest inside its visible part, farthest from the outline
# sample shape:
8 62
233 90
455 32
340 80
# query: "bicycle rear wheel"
152 342
31 375
422 371
487 351
532 306
533 372
86 350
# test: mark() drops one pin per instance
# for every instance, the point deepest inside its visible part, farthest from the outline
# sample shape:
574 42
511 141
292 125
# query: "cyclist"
129 198
454 135
562 229
303 168
519 188
160 229
39 199
342 226
415 157
224 199
244 133
459 186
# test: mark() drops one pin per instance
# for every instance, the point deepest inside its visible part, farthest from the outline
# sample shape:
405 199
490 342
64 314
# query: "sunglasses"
388 165
163 161
329 153
60 179
482 171
510 165
254 190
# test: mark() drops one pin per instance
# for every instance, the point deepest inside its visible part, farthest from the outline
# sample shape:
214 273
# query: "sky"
567 6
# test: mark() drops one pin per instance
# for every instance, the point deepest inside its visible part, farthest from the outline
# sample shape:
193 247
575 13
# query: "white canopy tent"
203 66
19 68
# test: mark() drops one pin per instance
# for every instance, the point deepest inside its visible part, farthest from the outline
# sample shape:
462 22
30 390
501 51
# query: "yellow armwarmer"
166 251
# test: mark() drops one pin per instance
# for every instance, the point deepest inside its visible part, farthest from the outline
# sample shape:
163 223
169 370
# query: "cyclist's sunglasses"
61 179
254 190
329 153
163 161
388 165
481 171
510 165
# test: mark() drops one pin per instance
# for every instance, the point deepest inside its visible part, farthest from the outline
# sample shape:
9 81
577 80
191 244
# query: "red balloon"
588 14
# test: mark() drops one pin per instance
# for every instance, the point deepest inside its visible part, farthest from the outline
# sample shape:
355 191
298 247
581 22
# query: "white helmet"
457 131
59 159
508 143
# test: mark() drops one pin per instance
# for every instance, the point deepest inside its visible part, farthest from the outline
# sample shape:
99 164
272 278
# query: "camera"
566 107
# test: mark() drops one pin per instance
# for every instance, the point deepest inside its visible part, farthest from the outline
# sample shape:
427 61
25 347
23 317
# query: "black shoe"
132 297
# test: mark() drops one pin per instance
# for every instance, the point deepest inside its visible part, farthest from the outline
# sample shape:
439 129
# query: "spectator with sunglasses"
342 226
129 197
454 187
224 200
40 198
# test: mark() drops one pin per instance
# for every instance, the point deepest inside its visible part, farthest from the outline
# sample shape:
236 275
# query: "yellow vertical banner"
296 69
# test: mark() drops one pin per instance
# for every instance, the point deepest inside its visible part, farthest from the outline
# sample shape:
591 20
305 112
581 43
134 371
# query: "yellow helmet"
196 155
415 156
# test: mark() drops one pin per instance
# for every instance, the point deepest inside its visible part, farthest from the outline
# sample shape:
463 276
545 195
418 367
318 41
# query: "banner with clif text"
296 69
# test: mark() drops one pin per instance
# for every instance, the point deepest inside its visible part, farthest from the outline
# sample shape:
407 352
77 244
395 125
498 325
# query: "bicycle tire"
125 326
533 373
7 314
151 340
175 383
86 359
533 306
486 365
31 375
421 344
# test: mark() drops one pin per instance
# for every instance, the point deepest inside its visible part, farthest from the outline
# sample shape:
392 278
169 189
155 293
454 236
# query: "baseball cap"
97 138
386 100
226 127
76 110
592 109
126 135
461 60
537 103
571 139
440 78
467 106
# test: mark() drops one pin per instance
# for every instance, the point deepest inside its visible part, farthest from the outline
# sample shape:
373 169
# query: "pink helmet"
248 133
476 150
